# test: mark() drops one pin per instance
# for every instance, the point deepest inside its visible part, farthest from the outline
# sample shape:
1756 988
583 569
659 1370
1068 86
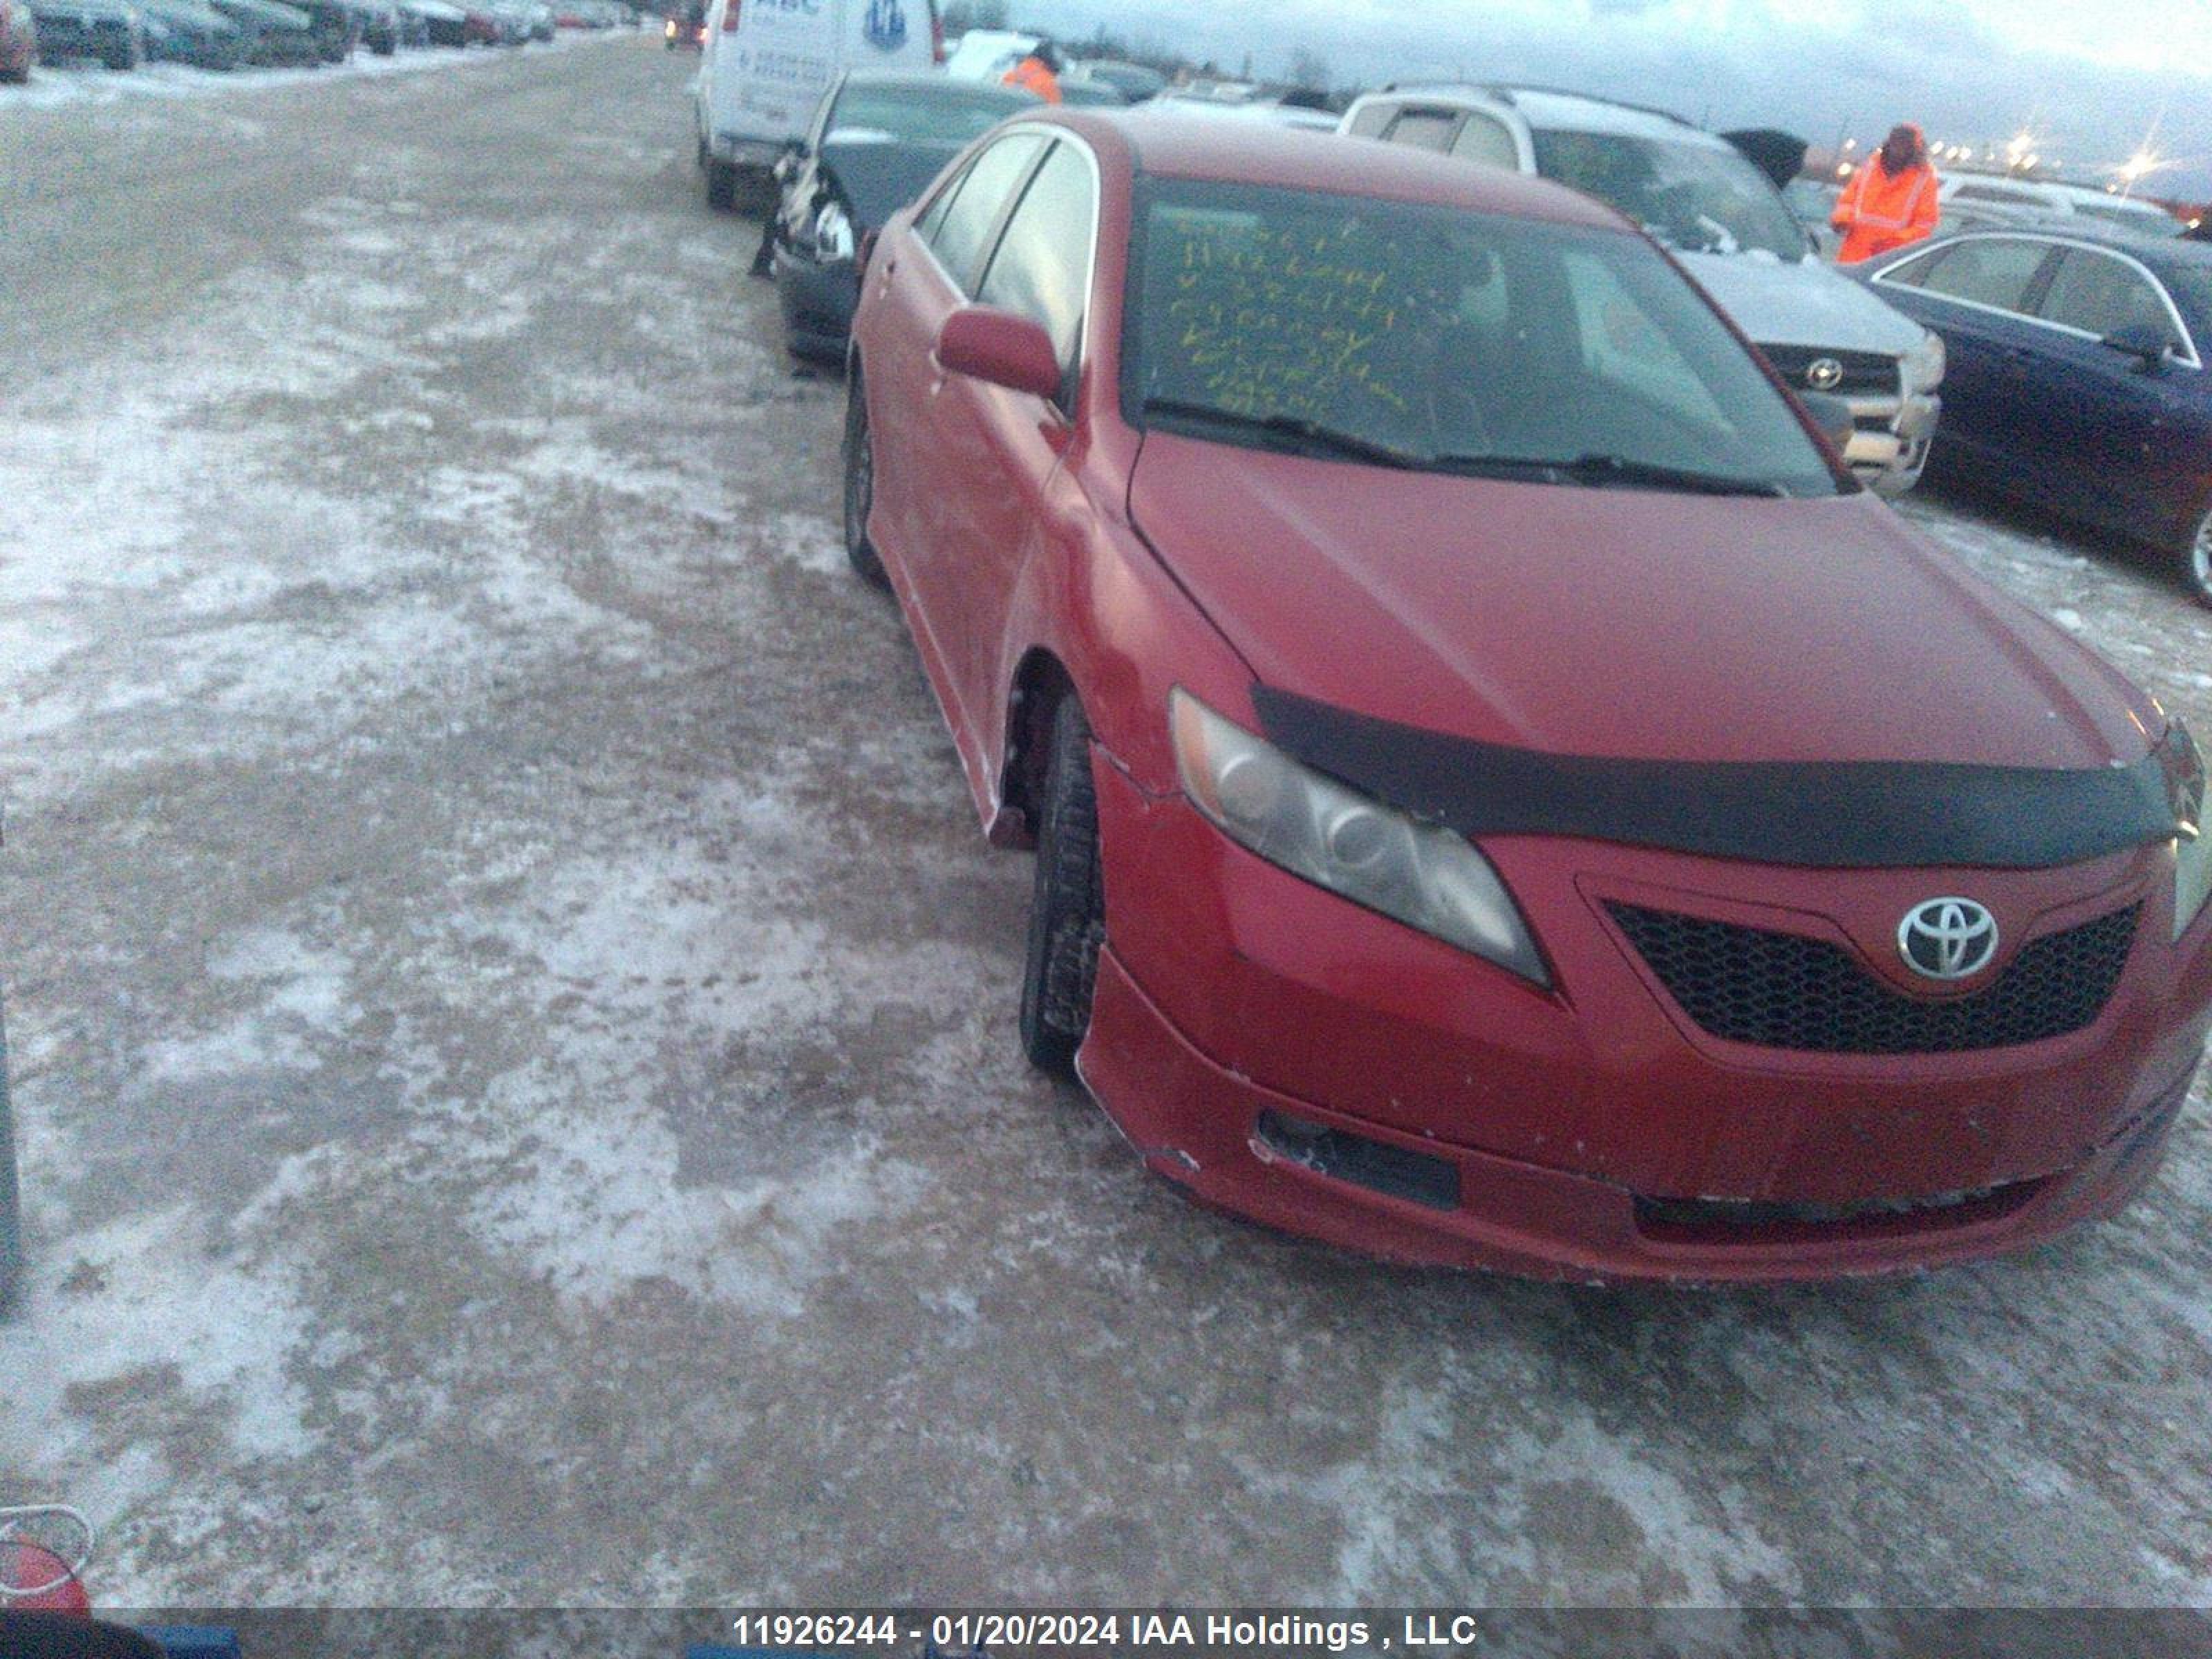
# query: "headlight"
1923 365
833 232
2192 841
1337 838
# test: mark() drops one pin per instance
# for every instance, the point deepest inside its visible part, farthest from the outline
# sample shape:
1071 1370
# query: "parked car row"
2083 386
226 34
1691 190
1505 792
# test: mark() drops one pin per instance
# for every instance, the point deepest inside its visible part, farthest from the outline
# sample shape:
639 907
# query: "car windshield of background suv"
1415 335
1693 198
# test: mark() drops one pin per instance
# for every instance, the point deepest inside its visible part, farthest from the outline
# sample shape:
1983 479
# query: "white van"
987 54
768 63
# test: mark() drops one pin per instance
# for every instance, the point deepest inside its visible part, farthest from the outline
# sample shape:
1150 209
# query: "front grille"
1866 374
1784 991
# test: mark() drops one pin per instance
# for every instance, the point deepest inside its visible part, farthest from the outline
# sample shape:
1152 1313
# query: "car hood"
876 180
1623 622
1805 304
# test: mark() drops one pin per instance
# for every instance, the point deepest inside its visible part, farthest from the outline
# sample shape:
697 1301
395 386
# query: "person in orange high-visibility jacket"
1039 73
1891 200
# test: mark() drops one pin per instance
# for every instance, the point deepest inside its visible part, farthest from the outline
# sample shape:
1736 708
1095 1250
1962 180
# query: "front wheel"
860 486
1067 909
2196 561
721 186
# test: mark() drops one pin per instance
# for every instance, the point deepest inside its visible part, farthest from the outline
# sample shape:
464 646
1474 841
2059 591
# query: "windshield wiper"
1312 435
1598 468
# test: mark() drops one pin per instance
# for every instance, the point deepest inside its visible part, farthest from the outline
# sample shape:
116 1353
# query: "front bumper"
817 302
762 153
1888 449
1214 1133
1441 1111
201 52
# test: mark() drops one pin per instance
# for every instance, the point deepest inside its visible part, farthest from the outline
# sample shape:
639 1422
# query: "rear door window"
965 232
1425 129
1042 268
1997 272
2101 296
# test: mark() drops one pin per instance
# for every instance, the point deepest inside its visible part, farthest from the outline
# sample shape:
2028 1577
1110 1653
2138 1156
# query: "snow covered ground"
82 81
513 1019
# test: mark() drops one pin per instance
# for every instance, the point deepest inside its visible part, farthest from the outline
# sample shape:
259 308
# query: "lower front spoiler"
1415 1200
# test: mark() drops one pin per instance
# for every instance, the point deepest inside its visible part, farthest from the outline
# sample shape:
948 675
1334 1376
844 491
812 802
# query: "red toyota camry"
1503 794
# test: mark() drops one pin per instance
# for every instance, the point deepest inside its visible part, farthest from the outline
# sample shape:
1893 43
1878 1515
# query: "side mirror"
1832 415
2146 345
1001 349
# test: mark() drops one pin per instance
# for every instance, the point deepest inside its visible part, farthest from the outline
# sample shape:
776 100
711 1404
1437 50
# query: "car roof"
1996 188
1163 143
2153 251
1552 108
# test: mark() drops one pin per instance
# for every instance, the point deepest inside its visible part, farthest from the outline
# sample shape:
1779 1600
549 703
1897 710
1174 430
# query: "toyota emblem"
1824 374
1947 939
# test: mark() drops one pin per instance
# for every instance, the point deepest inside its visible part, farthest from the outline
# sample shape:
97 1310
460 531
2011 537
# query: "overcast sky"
2090 77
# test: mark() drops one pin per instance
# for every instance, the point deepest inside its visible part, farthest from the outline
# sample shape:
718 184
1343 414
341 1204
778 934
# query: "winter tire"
2196 561
861 486
721 186
1067 913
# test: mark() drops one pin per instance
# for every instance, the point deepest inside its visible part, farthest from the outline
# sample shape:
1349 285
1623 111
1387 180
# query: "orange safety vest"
1032 76
1880 210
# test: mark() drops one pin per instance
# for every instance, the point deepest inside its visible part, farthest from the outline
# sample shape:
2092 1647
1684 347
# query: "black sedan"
2077 376
876 141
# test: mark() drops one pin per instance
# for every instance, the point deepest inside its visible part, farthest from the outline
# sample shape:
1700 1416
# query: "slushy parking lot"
510 1017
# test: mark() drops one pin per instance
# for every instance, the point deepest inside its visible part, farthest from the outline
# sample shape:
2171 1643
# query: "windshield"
1444 338
1699 200
942 114
2191 285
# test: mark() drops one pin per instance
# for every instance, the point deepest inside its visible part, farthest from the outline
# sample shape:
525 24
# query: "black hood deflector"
1855 814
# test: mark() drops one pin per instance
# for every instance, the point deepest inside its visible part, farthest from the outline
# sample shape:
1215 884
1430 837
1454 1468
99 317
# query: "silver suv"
1727 224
